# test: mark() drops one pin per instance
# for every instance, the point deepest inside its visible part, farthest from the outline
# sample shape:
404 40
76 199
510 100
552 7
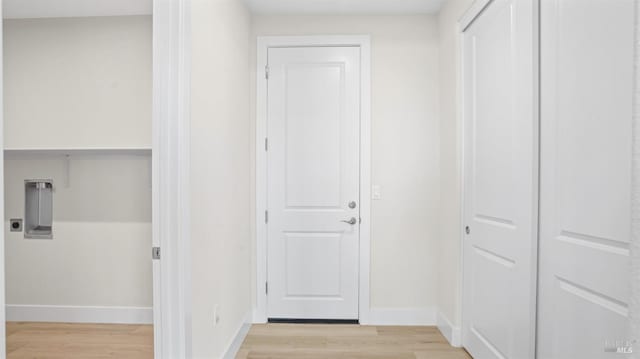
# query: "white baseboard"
401 316
77 314
450 332
258 319
238 339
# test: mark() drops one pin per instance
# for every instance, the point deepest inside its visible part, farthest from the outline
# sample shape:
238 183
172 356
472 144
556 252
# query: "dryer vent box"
38 218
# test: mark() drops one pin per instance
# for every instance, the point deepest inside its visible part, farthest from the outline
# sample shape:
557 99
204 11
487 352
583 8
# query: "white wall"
449 250
405 147
77 82
220 170
100 251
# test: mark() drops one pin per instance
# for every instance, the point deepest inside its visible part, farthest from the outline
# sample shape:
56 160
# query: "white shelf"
19 152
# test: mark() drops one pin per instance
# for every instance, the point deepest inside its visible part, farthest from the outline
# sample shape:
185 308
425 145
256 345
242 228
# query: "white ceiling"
19 9
345 6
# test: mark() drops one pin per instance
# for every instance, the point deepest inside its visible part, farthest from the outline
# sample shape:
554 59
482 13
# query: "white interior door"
500 182
585 204
313 182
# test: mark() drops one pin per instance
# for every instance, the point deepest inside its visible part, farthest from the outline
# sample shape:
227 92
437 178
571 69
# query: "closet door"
500 179
586 119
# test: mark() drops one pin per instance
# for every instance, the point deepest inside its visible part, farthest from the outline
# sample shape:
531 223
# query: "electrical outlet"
375 192
15 225
216 315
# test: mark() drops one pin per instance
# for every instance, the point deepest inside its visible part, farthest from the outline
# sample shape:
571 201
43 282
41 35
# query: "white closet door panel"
586 114
500 182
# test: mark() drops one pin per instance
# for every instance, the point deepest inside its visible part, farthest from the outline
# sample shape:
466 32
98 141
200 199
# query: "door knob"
352 221
352 204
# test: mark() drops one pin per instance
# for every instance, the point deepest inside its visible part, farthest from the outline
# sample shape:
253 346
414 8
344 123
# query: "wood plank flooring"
71 341
315 341
266 341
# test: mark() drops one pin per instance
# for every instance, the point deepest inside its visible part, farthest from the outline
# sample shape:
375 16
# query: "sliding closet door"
586 109
500 181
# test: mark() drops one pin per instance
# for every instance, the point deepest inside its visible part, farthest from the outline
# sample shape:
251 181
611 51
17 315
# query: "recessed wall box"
38 205
15 225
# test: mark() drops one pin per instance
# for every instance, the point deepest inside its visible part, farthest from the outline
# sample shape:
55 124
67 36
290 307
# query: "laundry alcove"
77 156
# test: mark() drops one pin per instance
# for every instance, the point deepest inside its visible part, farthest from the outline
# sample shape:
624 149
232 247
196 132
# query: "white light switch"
375 192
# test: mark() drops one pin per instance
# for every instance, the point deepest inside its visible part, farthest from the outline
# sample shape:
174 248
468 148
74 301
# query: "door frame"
469 16
3 335
264 43
170 177
171 146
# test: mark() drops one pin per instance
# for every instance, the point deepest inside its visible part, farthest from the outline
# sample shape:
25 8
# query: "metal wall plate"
38 218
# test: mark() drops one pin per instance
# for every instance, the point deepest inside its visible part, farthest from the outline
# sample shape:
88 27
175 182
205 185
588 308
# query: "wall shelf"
54 152
68 154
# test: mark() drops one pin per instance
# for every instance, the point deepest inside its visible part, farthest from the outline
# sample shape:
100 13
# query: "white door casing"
313 182
500 179
3 340
585 198
170 176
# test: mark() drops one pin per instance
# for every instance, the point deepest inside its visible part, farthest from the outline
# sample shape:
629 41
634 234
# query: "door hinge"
266 72
155 253
266 144
266 216
266 287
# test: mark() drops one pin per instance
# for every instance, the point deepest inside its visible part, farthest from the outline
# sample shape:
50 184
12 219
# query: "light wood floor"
288 341
270 341
71 341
